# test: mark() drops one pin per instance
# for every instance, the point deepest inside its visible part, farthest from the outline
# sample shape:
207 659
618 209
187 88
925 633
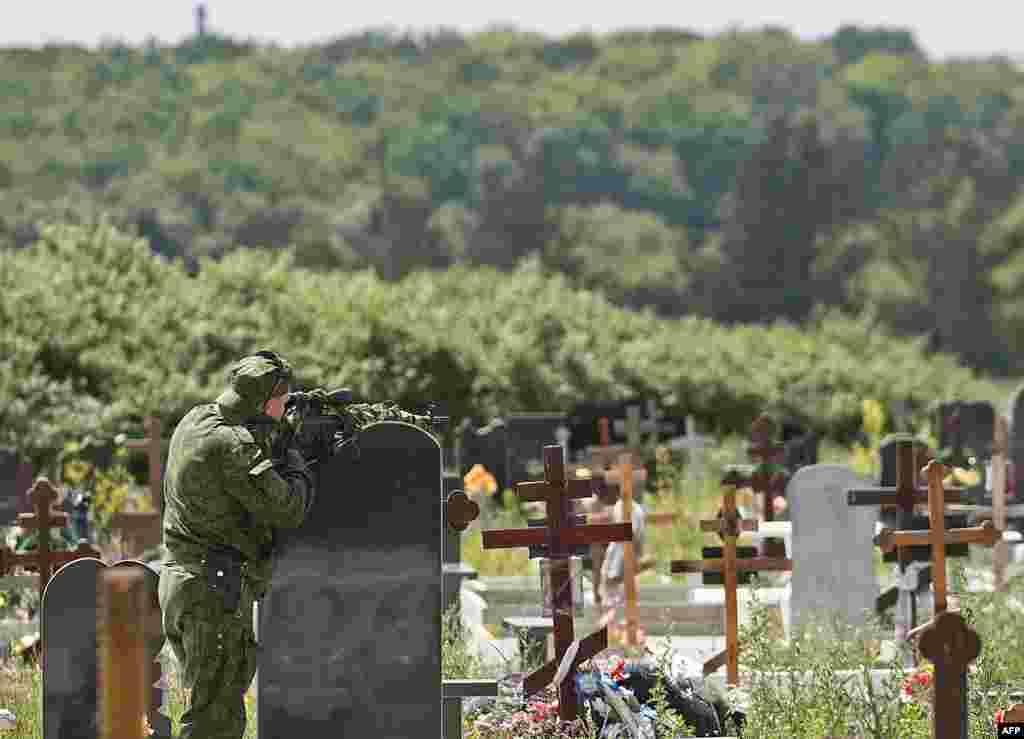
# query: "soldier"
223 495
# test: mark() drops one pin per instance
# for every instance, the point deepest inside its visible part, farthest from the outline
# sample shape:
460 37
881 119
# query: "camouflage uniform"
223 490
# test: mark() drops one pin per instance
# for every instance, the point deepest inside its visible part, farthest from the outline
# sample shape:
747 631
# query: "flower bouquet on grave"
918 689
511 717
614 707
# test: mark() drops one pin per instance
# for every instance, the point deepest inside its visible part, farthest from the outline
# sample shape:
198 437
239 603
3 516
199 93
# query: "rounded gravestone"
68 631
350 630
833 554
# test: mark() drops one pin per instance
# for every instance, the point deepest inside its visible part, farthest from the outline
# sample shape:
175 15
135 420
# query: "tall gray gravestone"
68 632
833 567
350 630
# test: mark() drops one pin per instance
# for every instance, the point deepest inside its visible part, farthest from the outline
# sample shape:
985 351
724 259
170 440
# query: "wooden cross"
905 495
768 457
560 535
1000 450
628 555
953 691
937 536
153 445
47 561
728 526
951 645
460 511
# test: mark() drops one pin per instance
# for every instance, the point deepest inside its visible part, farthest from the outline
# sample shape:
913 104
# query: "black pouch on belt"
224 576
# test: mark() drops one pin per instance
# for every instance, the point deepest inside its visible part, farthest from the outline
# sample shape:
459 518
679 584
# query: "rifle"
318 422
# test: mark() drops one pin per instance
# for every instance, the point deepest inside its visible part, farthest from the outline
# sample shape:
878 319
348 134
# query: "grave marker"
560 535
833 567
937 536
13 486
1000 447
728 526
906 495
350 630
44 559
951 645
68 627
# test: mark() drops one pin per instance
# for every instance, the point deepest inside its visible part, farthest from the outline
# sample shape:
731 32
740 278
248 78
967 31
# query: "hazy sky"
981 27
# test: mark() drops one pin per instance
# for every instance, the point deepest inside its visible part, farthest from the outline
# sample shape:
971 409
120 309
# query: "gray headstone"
68 631
350 630
833 568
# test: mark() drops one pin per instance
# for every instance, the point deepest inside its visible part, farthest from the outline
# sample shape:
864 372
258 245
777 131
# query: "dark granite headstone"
9 492
583 420
891 518
485 445
976 428
16 477
800 446
350 631
68 631
526 436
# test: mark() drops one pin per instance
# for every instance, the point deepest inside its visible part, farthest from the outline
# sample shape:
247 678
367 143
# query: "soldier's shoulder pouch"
224 575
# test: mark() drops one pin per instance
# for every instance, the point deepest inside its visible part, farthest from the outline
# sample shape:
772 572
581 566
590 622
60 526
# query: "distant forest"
745 177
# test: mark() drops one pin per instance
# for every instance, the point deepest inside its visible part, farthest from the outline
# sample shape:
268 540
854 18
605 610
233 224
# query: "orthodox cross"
939 643
560 535
47 561
906 495
937 536
728 527
769 475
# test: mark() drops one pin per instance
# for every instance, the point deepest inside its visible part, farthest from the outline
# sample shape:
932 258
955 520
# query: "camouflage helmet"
252 380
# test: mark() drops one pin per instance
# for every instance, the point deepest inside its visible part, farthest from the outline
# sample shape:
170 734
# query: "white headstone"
833 566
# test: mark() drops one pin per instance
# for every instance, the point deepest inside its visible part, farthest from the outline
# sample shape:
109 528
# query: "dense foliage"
99 333
745 176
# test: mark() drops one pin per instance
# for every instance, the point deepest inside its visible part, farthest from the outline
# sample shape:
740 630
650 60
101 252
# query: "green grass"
21 693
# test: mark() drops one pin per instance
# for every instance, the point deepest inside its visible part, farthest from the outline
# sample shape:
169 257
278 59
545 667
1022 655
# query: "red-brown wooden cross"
946 640
560 536
728 526
937 536
951 645
47 561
